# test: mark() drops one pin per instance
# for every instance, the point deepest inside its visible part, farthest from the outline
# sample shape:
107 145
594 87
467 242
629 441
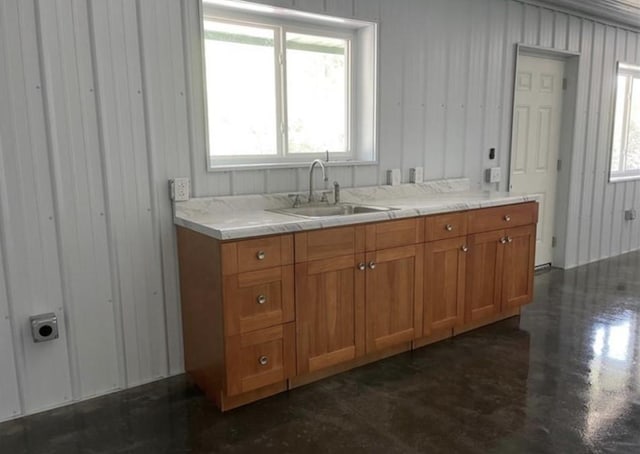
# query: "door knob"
361 266
503 240
448 227
261 255
372 265
507 218
262 299
263 360
464 249
509 239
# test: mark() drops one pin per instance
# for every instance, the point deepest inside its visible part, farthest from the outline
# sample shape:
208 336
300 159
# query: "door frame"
567 137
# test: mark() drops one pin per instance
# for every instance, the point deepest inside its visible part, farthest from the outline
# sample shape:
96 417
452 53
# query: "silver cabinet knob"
464 249
507 218
262 299
263 360
372 265
261 255
448 227
503 240
509 239
361 266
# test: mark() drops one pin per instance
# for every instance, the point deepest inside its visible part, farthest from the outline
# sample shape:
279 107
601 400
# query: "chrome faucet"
324 177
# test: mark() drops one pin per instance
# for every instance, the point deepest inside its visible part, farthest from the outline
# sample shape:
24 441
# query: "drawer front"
502 217
258 299
443 226
390 234
327 243
258 254
260 358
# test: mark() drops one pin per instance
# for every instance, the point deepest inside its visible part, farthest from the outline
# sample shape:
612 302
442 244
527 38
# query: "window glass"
241 89
625 143
317 107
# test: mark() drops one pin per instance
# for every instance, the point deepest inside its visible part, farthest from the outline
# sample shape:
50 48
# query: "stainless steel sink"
322 211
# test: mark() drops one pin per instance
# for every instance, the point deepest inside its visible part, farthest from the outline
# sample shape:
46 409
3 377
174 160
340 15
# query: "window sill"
286 165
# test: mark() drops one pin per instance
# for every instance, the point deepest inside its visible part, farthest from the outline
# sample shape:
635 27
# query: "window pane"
316 93
633 136
617 158
241 89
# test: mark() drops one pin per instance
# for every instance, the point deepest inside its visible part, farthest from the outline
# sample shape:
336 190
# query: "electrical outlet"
416 175
493 175
180 189
394 177
629 215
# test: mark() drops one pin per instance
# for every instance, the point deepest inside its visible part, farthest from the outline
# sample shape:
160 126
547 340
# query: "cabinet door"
394 296
444 283
519 264
329 312
484 275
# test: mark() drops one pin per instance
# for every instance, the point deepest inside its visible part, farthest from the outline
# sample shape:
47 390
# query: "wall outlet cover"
394 177
416 175
629 215
180 189
493 175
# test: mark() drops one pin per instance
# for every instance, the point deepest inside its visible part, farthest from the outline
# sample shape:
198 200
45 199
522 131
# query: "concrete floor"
564 378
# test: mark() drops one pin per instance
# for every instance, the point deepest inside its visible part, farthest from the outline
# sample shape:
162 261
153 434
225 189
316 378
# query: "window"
625 143
284 87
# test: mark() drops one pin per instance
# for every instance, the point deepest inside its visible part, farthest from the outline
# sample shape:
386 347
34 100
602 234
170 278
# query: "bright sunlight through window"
625 146
283 87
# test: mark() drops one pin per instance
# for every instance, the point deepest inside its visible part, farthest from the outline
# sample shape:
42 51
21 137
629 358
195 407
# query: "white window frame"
633 72
283 21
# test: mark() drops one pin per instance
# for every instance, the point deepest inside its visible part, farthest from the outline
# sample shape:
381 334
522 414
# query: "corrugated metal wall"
99 106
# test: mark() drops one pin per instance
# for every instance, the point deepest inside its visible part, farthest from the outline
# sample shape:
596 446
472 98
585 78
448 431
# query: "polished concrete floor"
564 378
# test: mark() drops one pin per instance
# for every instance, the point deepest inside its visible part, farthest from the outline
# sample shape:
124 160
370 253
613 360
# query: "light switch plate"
180 189
416 175
394 177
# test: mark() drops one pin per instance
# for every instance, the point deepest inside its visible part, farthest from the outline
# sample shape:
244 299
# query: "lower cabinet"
444 284
393 296
499 274
329 312
266 314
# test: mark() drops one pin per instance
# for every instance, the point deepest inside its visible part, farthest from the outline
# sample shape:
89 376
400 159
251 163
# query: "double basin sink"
322 211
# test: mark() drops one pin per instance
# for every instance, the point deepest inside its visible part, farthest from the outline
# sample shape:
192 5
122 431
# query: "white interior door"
537 117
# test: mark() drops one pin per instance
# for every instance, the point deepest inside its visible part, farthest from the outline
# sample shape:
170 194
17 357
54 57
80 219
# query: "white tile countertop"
236 217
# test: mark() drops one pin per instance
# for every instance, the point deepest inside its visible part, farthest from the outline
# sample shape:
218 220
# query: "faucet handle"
296 199
325 196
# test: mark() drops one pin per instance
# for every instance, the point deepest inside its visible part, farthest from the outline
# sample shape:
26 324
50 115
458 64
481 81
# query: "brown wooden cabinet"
444 284
393 296
329 312
264 314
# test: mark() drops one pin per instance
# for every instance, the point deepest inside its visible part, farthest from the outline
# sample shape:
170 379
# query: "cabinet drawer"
258 299
448 225
502 217
326 243
260 358
390 234
258 254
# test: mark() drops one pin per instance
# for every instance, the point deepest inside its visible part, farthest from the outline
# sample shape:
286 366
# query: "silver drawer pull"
448 227
262 299
509 239
261 255
507 218
503 240
464 249
263 360
361 266
372 265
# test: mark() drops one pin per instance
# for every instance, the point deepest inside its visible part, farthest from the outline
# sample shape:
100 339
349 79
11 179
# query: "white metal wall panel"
29 219
10 405
100 105
77 176
127 168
